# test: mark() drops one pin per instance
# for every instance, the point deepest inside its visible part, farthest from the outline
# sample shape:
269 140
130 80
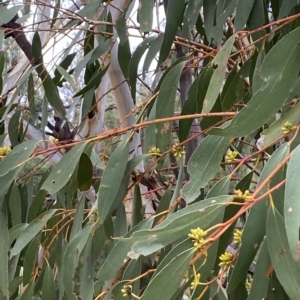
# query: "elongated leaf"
87 271
173 21
114 172
177 226
115 259
243 11
222 14
145 15
168 279
152 52
30 259
71 258
165 106
15 205
93 83
203 165
6 14
31 231
253 234
48 288
3 252
286 269
274 131
85 173
216 82
63 171
277 79
292 205
134 62
259 286
14 163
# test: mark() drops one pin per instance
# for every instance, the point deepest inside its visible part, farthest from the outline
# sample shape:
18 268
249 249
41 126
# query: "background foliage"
149 149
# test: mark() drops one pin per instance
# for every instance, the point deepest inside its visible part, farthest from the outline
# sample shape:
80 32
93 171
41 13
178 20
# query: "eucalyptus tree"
196 204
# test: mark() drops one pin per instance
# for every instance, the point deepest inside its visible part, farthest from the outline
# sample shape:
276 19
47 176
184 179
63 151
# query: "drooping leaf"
145 15
63 171
4 246
113 172
216 82
134 62
71 258
48 288
169 278
292 205
260 283
165 106
173 21
286 269
84 173
31 231
278 77
6 14
177 225
243 11
13 163
253 234
204 164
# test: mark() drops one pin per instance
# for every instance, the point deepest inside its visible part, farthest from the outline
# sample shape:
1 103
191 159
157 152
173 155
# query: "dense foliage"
194 194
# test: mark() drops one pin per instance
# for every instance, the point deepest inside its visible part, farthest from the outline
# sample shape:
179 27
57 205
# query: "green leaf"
168 279
173 21
209 8
15 205
145 15
286 269
84 173
217 79
87 271
243 11
260 283
65 63
152 52
114 172
274 131
31 231
3 252
15 231
28 293
71 259
6 14
292 205
78 218
66 75
48 289
13 163
13 128
2 60
177 225
286 8
190 16
137 207
252 234
277 77
115 258
30 259
63 171
222 14
165 106
134 63
204 164
93 83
